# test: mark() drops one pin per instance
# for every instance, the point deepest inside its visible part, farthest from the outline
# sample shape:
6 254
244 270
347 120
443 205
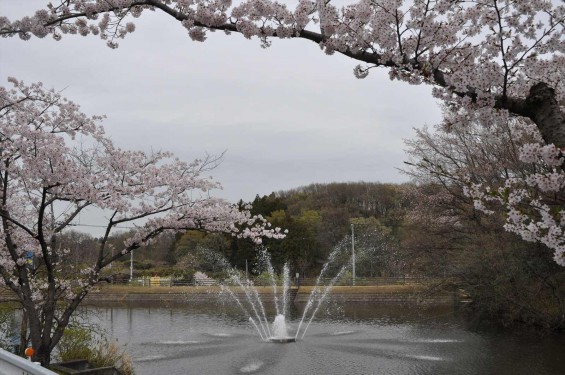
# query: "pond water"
351 339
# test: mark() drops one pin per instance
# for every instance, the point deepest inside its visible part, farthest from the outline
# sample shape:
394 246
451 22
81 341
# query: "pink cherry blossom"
55 163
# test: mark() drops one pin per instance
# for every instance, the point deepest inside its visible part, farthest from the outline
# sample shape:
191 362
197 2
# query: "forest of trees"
426 229
317 218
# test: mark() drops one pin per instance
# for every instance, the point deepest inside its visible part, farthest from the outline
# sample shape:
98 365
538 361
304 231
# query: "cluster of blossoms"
502 164
533 202
476 53
200 278
496 47
537 152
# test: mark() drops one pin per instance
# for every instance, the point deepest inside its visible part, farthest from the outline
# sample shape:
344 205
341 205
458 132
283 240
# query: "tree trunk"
23 333
42 354
545 112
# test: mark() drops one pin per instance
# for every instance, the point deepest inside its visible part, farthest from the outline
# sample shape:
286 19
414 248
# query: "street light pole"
353 254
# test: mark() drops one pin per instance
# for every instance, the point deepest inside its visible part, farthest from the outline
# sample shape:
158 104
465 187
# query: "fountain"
280 334
247 297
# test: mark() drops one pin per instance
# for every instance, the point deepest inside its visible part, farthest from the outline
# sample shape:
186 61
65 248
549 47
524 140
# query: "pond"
350 339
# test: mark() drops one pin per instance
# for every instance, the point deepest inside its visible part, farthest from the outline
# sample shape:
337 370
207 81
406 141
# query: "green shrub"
264 279
82 342
76 343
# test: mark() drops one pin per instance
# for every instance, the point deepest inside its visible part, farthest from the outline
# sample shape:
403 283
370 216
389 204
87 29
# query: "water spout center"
279 327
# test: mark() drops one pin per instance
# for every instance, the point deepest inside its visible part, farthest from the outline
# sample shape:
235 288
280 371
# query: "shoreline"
192 294
103 294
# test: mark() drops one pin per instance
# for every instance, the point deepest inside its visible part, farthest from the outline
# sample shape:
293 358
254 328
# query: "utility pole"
131 266
353 254
246 273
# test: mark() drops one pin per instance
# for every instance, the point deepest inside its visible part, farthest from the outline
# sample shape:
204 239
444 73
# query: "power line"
101 226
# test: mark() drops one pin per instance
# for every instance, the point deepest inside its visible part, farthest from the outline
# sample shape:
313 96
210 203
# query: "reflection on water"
352 339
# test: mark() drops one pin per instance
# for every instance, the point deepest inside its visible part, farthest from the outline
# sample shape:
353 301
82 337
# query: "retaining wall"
6 295
407 294
210 294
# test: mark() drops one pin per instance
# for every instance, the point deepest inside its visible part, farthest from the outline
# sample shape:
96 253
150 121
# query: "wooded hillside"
428 229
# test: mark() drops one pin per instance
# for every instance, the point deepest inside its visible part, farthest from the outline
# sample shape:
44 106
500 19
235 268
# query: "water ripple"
251 367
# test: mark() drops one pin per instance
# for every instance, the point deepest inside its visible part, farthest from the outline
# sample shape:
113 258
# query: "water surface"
355 339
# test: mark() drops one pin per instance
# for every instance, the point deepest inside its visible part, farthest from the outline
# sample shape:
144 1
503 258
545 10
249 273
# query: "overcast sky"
287 116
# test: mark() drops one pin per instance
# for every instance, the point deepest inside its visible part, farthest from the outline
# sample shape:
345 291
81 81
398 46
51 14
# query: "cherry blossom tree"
476 169
55 162
504 166
484 58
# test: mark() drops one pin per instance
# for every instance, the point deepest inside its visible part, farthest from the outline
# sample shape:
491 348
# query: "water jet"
248 299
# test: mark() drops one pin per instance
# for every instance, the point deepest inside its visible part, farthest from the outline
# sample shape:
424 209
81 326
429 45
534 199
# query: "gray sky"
288 116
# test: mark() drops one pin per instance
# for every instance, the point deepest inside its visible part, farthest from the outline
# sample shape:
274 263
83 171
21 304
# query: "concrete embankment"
382 293
6 295
192 294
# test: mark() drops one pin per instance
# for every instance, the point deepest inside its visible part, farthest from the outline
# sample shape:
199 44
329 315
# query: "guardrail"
372 281
163 281
13 364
